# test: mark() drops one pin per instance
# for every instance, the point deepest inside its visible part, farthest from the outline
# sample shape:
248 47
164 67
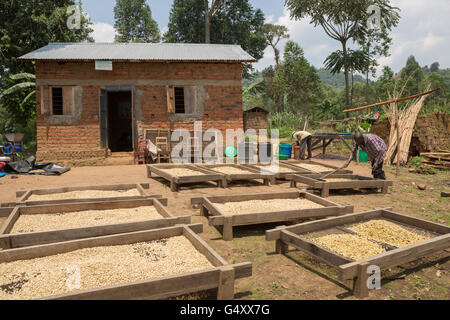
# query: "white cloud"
423 31
103 32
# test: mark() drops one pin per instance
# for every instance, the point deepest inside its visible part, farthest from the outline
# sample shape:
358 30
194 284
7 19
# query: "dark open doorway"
120 129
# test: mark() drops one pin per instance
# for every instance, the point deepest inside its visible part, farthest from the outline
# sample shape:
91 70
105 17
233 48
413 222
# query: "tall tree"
134 22
297 79
274 34
235 22
26 26
344 20
357 61
412 69
375 43
210 12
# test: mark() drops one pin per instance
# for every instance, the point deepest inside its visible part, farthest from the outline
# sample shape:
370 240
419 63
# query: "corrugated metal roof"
140 51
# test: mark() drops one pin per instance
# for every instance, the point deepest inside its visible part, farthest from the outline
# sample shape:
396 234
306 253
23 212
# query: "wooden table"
323 140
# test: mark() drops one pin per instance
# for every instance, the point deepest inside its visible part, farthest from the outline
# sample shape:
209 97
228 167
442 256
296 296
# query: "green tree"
385 84
274 34
235 22
375 43
434 67
344 20
412 69
26 26
297 79
357 61
134 22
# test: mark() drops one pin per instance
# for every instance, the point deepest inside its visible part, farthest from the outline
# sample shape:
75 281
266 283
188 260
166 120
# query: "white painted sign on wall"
103 65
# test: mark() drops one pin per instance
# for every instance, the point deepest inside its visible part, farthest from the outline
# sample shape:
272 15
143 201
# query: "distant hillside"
336 80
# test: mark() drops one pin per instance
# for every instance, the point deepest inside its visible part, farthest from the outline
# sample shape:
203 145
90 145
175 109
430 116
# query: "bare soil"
296 275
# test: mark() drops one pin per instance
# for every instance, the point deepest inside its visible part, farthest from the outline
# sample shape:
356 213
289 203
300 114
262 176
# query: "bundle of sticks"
403 122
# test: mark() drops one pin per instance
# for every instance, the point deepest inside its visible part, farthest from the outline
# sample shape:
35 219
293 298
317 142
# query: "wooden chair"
163 144
141 154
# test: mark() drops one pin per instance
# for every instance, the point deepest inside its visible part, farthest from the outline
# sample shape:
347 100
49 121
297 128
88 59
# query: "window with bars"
57 101
181 100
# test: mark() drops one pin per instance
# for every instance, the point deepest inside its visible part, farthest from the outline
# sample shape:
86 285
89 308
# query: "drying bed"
277 171
84 194
251 209
339 181
178 174
33 225
150 264
316 167
236 172
379 238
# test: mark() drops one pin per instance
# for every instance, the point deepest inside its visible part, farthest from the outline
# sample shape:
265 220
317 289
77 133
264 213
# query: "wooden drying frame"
175 182
24 195
253 174
277 175
221 277
217 218
15 240
312 180
297 163
357 270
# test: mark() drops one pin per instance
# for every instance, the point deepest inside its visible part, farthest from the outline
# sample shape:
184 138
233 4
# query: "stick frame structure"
357 182
176 182
221 277
349 269
10 240
24 195
218 218
253 174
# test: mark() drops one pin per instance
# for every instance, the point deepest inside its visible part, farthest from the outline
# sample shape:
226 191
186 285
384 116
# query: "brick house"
93 98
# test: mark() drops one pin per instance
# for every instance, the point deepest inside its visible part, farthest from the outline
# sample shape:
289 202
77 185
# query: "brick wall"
222 103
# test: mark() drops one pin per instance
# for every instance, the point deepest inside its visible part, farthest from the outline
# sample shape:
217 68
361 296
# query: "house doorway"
120 121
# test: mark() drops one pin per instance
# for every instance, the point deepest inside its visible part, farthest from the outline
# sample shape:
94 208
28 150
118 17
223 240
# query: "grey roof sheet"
140 51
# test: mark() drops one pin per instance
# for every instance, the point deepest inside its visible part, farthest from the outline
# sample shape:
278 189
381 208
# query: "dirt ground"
296 275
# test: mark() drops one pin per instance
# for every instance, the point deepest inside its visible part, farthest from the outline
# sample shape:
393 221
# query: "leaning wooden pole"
391 101
397 125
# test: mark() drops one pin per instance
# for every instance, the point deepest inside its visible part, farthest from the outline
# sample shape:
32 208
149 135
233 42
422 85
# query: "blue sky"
424 30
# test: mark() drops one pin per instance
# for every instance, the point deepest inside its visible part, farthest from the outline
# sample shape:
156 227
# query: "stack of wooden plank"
439 160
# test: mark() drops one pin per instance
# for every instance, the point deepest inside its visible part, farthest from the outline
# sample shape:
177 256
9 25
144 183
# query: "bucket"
363 156
286 149
18 147
296 152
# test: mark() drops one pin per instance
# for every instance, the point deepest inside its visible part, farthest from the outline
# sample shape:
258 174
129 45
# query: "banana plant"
28 83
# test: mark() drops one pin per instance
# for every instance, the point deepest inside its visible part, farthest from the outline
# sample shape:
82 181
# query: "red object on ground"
2 165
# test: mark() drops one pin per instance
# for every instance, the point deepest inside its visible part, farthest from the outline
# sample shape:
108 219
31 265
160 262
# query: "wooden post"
357 130
360 288
397 126
226 283
325 190
227 229
281 247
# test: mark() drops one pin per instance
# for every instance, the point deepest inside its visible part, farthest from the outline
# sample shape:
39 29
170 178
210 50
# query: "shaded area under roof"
140 51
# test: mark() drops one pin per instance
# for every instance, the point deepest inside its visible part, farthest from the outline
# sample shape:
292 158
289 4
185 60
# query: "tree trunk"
351 98
207 23
367 87
347 91
277 57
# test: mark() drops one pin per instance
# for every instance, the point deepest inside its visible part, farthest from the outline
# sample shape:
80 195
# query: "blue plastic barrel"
286 149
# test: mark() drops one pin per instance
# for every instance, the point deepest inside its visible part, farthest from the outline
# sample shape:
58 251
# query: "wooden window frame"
68 103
